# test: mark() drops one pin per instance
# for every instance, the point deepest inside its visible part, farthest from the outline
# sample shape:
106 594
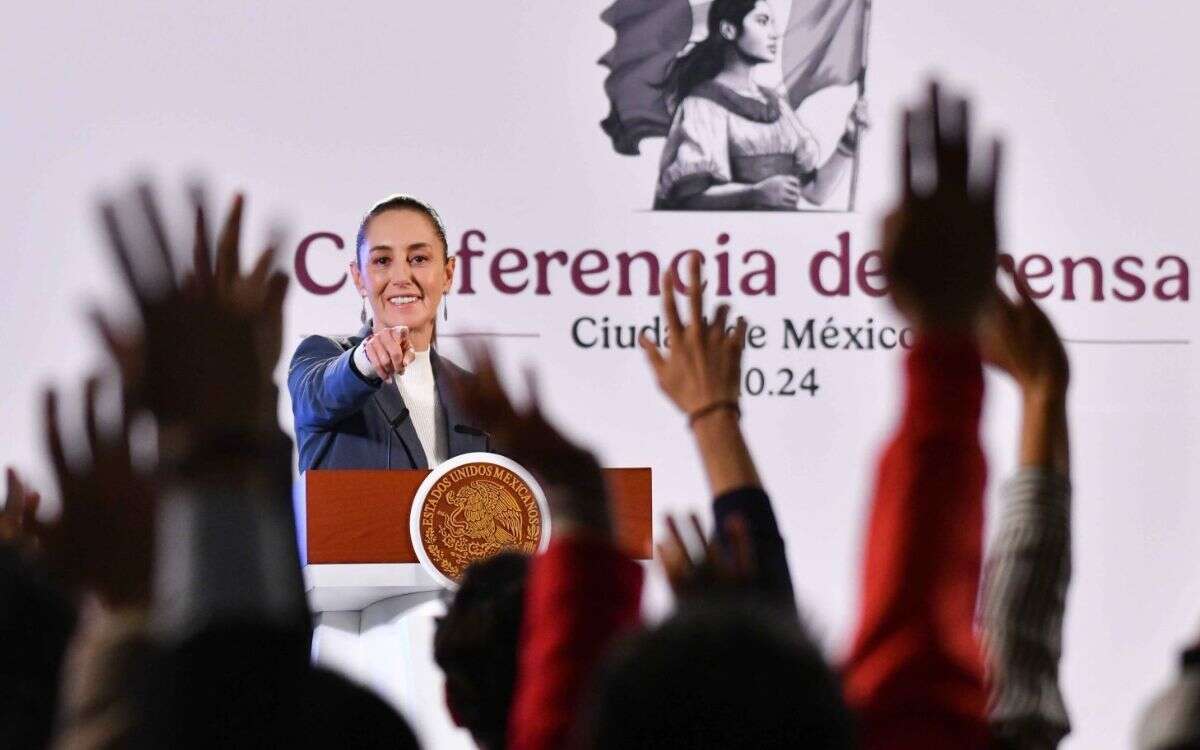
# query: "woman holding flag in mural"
734 144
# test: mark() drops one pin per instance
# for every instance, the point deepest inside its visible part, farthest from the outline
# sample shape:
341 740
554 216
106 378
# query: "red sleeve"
915 671
581 594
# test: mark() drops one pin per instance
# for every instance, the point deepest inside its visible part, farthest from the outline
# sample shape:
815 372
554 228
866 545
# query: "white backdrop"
490 111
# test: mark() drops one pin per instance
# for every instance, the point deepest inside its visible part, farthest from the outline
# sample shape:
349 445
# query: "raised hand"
1018 338
574 482
716 570
19 516
701 372
940 242
209 342
103 540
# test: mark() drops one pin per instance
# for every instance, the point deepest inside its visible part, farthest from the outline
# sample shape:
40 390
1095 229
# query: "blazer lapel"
389 401
462 435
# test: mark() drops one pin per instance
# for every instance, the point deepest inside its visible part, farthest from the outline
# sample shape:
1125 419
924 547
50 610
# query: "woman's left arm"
821 183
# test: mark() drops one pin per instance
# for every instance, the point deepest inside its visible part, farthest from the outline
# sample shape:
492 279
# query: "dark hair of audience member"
718 674
233 686
476 646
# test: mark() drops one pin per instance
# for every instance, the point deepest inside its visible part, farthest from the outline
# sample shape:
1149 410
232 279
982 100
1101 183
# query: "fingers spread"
653 355
695 291
120 250
906 161
90 429
202 269
158 233
54 445
228 243
670 308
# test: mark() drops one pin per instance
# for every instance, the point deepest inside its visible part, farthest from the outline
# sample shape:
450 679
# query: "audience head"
232 686
719 674
476 645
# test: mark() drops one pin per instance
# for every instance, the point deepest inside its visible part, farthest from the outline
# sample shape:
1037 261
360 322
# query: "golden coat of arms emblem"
468 510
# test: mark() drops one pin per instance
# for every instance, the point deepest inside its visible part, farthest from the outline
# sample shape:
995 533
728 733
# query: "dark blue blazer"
345 420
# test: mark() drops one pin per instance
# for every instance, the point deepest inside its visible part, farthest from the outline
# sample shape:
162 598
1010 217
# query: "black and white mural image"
725 82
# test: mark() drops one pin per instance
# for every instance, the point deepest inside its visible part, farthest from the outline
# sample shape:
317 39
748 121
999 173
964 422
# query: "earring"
362 316
446 307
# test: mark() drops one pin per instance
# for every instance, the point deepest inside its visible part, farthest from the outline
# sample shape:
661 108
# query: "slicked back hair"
401 202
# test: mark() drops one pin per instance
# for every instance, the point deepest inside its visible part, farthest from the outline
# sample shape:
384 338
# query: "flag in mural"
650 33
823 46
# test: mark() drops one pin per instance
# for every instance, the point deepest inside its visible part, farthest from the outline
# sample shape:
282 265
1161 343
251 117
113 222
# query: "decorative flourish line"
1161 342
492 335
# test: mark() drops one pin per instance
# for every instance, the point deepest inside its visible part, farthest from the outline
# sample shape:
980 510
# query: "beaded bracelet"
703 411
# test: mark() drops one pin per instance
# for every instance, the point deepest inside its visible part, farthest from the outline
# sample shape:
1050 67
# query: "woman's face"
402 272
759 40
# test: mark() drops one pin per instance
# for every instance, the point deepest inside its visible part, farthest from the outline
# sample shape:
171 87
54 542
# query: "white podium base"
375 624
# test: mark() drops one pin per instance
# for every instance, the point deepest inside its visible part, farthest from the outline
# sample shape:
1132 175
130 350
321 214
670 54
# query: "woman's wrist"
724 406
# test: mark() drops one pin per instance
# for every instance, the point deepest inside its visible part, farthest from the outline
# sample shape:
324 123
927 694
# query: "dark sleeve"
770 558
324 384
915 673
36 622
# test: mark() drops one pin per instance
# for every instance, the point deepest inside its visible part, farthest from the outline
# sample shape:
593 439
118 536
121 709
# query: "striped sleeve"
1026 575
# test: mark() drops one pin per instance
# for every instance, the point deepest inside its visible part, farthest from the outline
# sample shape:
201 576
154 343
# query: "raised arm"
582 591
1028 567
915 671
701 374
227 547
326 384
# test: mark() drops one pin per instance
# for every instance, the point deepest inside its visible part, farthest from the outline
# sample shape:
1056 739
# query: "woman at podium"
383 398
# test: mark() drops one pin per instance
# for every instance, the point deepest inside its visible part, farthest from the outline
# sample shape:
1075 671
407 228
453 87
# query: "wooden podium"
354 532
375 606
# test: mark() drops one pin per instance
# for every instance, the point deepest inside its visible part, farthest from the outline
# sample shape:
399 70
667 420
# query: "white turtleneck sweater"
419 392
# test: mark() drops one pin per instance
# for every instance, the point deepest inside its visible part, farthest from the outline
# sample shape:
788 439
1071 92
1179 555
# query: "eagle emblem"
484 511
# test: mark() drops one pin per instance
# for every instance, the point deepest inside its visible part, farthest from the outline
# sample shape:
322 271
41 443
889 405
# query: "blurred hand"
19 517
209 344
103 540
777 191
574 483
715 570
390 351
703 364
1018 338
940 243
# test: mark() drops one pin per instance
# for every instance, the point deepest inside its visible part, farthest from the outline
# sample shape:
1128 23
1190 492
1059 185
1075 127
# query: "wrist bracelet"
703 411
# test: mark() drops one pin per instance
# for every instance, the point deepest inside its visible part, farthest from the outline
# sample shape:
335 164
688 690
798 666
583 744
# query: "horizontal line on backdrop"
492 335
1177 342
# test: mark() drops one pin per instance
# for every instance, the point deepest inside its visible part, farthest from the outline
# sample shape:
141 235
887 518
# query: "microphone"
399 418
463 429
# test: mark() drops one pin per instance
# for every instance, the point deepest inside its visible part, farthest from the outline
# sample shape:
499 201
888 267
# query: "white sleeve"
362 363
